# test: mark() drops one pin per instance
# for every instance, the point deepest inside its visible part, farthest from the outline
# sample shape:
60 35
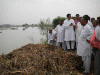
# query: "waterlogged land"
11 39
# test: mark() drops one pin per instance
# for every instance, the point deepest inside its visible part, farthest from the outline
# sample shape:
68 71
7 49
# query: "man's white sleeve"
55 29
48 38
73 22
66 25
90 34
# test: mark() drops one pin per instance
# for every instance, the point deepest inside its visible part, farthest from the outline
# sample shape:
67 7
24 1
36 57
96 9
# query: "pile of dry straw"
38 59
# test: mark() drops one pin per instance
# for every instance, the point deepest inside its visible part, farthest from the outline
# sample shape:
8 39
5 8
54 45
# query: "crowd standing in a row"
85 32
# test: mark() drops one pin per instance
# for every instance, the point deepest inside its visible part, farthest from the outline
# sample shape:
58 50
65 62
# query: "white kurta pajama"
60 35
50 38
78 31
84 48
69 33
90 24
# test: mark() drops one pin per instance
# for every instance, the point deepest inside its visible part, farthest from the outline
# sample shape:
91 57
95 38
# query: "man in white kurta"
69 32
95 24
51 37
84 48
78 31
60 35
90 24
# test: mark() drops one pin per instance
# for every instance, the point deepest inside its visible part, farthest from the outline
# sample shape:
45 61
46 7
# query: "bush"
56 21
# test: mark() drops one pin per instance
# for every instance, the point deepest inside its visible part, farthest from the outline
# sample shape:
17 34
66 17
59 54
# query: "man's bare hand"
71 24
88 41
53 40
94 48
76 27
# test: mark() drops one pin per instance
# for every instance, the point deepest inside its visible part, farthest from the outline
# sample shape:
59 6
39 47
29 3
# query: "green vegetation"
44 26
56 21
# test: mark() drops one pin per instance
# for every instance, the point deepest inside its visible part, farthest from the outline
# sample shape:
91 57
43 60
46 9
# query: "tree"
56 21
44 26
25 25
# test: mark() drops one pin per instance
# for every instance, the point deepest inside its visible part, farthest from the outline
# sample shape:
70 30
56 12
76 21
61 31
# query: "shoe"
85 72
68 50
73 50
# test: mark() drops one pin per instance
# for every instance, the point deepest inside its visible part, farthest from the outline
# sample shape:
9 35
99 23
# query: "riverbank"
39 59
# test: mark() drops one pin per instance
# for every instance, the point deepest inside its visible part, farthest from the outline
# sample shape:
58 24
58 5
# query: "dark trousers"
97 63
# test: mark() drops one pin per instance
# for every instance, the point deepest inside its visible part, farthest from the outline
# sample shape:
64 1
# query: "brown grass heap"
38 59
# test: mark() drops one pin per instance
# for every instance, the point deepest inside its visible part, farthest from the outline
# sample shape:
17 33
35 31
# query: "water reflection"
0 31
14 37
13 28
4 28
25 27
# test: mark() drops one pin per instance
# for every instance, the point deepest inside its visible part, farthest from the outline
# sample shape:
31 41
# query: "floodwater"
11 39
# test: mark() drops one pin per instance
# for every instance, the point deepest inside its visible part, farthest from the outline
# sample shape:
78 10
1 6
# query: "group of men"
86 34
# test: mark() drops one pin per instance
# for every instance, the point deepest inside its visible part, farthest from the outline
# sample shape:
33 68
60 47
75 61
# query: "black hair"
98 18
68 15
81 17
95 21
77 15
61 21
50 29
93 18
87 17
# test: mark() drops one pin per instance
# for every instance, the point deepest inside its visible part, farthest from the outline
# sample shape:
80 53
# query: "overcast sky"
31 11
